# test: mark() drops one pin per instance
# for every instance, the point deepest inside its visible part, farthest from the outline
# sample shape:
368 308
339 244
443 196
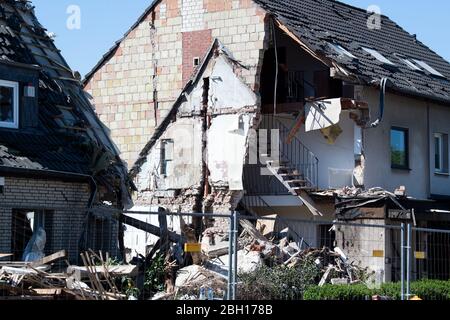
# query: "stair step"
296 181
291 175
284 169
271 162
299 189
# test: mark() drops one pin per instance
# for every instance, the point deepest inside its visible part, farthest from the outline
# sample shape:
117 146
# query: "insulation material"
322 114
332 133
227 148
227 90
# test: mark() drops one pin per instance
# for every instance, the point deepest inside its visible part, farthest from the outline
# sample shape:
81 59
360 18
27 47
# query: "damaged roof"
67 135
319 23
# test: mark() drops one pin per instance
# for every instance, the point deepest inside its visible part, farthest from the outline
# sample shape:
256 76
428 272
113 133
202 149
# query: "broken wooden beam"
80 273
49 259
154 230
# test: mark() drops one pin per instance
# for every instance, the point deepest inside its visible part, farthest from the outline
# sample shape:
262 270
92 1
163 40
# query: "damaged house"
57 162
296 108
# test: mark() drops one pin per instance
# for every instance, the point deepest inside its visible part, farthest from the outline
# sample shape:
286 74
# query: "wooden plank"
253 231
48 292
83 272
51 258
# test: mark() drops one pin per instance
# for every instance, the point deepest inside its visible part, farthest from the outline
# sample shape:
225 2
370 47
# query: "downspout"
383 84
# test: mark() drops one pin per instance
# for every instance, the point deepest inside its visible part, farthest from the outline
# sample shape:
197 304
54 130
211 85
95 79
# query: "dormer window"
9 104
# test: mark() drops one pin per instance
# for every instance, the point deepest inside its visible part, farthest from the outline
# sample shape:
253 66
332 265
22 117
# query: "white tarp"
322 114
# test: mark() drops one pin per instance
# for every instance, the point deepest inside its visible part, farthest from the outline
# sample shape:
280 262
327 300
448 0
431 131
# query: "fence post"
402 260
230 258
408 261
235 252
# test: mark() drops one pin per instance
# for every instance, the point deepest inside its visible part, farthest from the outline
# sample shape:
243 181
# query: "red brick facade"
195 44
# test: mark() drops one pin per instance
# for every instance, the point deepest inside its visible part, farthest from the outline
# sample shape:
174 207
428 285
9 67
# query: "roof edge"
135 170
116 45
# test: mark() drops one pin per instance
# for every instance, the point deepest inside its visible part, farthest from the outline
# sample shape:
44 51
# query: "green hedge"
426 290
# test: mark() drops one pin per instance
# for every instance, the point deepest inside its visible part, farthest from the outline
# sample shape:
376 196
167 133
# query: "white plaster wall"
338 156
227 139
137 240
185 171
399 112
227 90
439 123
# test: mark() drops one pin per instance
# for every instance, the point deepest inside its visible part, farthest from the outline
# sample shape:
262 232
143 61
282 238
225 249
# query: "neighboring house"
352 106
57 161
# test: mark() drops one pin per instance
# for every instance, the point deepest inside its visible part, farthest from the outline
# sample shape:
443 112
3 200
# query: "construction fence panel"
107 254
311 253
429 255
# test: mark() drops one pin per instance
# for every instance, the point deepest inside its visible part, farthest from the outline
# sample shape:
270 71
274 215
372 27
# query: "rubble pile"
170 272
37 280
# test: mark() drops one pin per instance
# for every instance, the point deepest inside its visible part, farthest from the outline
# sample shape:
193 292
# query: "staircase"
292 164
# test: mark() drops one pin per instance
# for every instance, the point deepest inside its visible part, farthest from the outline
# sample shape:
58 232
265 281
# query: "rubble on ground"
37 281
175 274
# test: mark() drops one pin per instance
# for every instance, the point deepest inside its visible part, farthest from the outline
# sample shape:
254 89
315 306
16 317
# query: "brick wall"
195 45
67 202
154 59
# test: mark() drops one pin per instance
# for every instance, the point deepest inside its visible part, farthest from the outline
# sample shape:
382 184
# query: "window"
23 225
441 153
429 68
411 65
378 56
166 155
399 148
196 61
9 104
341 50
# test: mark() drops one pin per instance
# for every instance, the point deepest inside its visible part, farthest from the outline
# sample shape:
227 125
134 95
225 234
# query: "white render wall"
439 123
409 113
332 157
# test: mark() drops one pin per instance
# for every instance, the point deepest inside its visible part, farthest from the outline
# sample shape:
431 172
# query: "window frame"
406 166
443 153
164 161
15 86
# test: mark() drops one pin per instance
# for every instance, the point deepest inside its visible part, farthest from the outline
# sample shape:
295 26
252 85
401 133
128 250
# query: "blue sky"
105 21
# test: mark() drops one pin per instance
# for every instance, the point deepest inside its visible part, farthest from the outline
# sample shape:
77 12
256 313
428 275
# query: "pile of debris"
36 281
255 251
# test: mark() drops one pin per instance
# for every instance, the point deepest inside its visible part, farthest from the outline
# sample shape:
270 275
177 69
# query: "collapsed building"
296 108
57 161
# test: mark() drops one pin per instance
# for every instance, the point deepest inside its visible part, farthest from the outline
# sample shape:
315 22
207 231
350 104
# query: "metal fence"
106 254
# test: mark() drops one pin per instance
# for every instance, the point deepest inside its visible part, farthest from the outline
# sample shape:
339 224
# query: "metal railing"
291 152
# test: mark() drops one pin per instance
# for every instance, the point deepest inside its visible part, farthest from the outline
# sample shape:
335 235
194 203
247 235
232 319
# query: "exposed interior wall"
337 160
223 132
148 66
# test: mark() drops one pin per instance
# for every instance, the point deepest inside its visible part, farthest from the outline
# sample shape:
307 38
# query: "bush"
279 282
155 274
425 289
